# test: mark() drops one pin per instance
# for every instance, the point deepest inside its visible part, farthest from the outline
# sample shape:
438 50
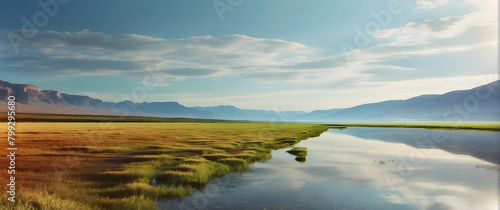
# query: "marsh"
365 168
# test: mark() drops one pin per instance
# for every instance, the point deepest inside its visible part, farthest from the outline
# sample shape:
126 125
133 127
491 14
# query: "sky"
282 55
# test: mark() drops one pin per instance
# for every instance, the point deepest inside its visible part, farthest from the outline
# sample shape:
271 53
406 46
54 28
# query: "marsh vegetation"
128 165
100 162
299 152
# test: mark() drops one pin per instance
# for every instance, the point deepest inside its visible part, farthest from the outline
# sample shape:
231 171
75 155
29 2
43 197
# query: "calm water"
366 168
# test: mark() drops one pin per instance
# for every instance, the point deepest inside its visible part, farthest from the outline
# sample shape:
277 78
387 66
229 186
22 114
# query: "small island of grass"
299 152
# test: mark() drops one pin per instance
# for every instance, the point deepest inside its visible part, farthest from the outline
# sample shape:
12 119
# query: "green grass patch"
192 174
235 164
215 157
136 202
299 152
43 200
146 190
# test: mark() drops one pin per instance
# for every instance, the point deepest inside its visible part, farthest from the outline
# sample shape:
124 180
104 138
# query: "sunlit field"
128 165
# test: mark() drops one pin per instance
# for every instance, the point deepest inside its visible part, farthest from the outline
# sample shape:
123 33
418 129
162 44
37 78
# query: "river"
365 168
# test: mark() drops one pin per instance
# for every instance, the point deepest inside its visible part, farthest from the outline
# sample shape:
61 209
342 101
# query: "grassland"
102 162
473 126
110 164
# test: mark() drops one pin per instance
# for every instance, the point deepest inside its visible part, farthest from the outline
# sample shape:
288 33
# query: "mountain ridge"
477 104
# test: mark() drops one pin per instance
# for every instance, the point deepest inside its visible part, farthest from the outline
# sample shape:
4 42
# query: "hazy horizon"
308 111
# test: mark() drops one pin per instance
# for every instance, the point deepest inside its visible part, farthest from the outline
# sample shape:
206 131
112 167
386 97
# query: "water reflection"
483 145
346 169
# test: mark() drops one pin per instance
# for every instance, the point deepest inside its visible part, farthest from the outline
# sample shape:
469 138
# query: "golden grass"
111 165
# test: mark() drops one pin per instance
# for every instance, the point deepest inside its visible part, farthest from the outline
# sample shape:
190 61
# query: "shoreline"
465 126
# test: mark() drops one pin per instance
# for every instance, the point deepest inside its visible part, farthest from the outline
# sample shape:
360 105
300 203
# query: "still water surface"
366 168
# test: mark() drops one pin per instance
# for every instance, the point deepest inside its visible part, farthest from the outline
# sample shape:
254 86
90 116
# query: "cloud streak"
431 4
87 52
265 60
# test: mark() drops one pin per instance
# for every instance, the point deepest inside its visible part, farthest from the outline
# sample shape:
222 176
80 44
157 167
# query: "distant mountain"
31 99
233 113
163 109
317 114
478 104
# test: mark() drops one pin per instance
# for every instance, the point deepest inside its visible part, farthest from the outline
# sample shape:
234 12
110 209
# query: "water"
366 168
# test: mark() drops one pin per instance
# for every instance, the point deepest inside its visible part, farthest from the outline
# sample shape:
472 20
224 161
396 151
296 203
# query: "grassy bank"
117 165
473 126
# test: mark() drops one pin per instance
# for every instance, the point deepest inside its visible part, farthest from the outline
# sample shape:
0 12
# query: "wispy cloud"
431 4
445 46
86 52
265 60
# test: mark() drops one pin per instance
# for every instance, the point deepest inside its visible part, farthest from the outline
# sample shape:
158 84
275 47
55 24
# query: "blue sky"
258 54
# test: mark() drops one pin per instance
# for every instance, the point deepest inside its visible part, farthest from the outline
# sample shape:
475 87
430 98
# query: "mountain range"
478 104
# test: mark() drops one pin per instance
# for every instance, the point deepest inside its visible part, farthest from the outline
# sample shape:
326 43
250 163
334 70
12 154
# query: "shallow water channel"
365 168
